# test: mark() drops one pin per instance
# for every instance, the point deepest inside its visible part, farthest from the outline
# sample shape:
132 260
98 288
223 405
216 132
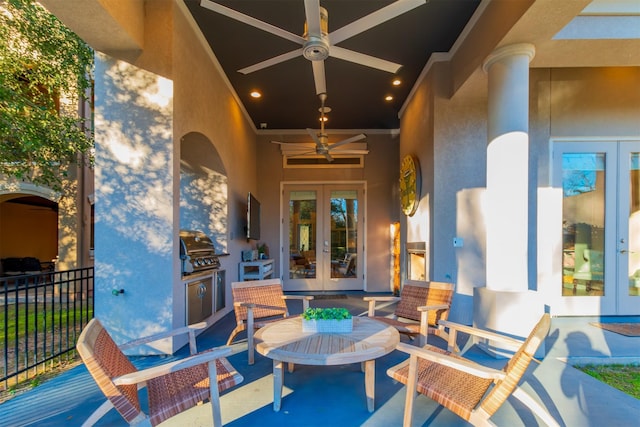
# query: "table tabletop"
285 341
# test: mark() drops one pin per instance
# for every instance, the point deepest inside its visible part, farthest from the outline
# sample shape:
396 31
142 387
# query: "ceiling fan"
317 43
321 138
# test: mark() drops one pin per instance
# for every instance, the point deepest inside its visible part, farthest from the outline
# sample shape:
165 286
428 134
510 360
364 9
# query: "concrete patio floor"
335 395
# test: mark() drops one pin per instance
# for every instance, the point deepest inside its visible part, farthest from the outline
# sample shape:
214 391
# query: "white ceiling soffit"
612 7
604 20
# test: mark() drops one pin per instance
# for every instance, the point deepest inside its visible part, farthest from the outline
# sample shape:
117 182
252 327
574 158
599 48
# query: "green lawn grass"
36 316
625 378
38 330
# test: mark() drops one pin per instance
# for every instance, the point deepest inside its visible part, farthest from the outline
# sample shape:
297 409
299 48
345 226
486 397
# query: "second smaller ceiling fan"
321 139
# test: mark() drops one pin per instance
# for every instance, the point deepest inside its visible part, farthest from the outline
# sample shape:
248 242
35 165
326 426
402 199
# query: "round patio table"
284 342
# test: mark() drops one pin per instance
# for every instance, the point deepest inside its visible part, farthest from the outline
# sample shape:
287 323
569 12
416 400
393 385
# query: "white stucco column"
508 167
505 304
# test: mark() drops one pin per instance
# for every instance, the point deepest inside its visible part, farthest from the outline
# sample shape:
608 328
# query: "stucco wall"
204 104
450 135
134 215
417 139
141 118
380 174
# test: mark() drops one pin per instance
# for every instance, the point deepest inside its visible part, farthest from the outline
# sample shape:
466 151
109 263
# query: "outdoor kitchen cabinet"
255 270
199 298
205 295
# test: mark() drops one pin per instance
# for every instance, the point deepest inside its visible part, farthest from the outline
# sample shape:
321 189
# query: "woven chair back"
263 292
413 296
105 360
516 367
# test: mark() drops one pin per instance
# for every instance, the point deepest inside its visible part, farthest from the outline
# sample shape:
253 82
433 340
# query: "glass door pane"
344 233
322 237
583 224
302 234
630 241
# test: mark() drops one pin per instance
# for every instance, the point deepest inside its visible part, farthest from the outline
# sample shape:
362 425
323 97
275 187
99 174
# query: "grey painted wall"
382 203
449 135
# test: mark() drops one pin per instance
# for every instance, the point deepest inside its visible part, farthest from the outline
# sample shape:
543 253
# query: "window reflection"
302 238
583 224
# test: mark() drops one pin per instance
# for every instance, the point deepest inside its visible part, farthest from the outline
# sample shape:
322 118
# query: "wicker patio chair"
256 303
420 308
472 391
171 387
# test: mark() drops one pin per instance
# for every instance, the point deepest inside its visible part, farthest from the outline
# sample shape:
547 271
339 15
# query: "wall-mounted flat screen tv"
253 218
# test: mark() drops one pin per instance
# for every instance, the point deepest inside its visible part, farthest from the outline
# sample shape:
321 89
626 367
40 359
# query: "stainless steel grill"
197 252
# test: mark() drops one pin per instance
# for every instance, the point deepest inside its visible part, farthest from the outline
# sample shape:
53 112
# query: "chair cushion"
458 391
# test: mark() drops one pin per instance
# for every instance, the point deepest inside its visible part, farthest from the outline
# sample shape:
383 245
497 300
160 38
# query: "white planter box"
334 326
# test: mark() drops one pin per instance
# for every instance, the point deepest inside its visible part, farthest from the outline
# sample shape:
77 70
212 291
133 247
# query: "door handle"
623 251
325 251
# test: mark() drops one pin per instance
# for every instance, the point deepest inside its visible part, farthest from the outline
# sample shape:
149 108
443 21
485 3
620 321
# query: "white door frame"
615 300
322 281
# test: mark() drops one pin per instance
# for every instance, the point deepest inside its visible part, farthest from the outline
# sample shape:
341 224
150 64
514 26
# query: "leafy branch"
45 71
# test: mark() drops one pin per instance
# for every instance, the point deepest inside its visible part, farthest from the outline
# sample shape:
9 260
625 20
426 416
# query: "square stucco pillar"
513 313
135 212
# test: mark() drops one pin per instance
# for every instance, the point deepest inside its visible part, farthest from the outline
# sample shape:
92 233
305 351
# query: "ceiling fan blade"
300 144
375 18
271 61
314 136
347 141
351 152
366 60
264 26
318 77
328 157
312 12
300 155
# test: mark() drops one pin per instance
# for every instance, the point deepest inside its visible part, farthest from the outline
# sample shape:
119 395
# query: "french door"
600 184
322 237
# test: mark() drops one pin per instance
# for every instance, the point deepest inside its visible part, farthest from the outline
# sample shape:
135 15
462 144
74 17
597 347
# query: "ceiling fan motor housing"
315 49
317 46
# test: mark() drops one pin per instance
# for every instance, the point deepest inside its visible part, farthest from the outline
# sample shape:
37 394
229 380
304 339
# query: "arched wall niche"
12 189
203 189
28 227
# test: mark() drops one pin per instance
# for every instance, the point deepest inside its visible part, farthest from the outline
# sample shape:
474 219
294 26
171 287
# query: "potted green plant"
337 320
263 251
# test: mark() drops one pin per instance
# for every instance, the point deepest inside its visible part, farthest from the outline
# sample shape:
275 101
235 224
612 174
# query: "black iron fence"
41 318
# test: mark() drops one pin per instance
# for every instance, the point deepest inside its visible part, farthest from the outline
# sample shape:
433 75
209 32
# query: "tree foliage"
41 63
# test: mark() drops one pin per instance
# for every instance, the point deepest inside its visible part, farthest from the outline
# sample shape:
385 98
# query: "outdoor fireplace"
416 259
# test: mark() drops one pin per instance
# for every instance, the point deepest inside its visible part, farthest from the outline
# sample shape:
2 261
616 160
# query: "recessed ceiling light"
255 94
396 82
388 98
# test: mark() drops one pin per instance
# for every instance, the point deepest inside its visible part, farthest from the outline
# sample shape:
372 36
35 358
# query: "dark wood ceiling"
355 92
